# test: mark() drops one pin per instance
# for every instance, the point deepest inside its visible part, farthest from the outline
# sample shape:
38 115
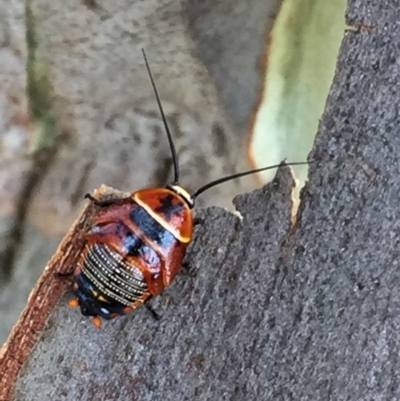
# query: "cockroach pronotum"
135 246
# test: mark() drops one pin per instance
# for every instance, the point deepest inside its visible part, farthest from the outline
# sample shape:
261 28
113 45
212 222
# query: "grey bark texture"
108 126
274 311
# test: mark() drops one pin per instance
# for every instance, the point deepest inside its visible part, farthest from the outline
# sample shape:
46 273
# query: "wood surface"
272 309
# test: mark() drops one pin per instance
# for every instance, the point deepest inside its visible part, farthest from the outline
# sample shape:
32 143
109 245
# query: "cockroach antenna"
175 158
164 119
242 174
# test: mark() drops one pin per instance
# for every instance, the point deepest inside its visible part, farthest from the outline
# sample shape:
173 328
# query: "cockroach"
135 246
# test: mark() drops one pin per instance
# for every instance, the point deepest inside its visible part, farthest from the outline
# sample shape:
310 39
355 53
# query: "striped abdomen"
112 276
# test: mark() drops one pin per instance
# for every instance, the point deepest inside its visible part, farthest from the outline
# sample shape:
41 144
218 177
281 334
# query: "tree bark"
276 310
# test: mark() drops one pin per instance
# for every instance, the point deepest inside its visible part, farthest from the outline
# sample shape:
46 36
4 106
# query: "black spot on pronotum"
168 208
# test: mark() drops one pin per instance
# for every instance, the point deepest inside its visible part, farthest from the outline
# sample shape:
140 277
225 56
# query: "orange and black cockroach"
135 246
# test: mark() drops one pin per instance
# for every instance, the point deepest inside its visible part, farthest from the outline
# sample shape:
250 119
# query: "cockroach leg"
155 315
197 221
